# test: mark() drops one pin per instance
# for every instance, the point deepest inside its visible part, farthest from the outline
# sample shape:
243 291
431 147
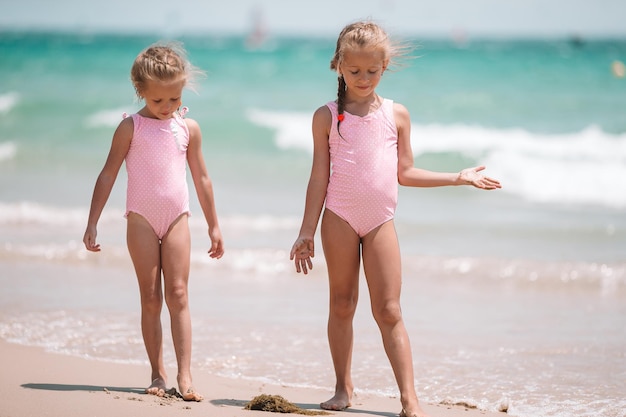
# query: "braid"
341 98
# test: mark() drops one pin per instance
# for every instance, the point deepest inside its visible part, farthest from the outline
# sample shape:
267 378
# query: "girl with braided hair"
157 144
362 151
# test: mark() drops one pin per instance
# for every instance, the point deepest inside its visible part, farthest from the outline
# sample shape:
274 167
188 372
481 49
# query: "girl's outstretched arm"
411 176
204 187
304 248
104 184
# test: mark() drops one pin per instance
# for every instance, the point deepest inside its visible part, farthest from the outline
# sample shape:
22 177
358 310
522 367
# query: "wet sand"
37 383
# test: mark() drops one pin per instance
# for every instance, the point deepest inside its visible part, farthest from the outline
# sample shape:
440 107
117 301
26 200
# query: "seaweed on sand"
277 404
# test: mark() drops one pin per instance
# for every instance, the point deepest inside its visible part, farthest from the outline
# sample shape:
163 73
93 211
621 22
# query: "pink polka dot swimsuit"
156 164
363 185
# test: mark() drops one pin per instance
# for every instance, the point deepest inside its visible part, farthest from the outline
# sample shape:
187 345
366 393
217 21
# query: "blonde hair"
162 62
364 35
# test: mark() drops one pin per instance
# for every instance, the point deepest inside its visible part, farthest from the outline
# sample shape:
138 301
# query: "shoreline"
35 383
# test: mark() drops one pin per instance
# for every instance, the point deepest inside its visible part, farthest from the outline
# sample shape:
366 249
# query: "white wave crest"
106 118
585 167
8 101
8 150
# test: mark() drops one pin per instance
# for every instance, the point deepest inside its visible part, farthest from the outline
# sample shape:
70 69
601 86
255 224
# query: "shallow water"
510 296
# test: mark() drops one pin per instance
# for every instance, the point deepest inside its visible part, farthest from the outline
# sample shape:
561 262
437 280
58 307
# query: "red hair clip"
340 117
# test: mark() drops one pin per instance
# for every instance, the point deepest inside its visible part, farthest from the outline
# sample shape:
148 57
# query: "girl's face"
361 70
162 98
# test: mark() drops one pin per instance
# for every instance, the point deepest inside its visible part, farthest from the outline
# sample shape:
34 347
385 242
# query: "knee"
176 298
343 307
152 303
388 314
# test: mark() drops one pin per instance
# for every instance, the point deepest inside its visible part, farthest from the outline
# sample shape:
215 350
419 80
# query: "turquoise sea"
515 297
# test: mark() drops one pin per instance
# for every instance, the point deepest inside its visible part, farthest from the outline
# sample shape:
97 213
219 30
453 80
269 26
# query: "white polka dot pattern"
363 186
157 171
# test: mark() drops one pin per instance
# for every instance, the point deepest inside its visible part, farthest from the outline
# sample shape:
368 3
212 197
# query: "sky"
491 18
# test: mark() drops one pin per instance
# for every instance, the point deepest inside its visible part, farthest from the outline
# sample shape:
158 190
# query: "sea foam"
8 101
584 167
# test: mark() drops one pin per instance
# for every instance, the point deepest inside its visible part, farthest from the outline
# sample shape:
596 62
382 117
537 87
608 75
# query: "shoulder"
126 127
400 109
192 125
401 114
322 118
123 137
323 111
323 114
322 122
195 135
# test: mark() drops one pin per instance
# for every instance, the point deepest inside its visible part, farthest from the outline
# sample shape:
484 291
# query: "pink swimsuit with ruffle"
156 164
363 185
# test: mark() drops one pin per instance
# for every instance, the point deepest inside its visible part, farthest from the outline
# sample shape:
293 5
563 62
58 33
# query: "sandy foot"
157 387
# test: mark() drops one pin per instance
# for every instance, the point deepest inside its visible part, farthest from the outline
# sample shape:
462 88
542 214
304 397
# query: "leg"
175 254
341 250
144 249
381 262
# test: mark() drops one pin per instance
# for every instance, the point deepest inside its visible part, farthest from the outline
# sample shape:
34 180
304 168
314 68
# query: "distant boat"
258 34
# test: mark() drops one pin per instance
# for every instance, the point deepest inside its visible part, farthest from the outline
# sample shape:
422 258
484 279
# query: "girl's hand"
89 239
301 253
471 176
217 244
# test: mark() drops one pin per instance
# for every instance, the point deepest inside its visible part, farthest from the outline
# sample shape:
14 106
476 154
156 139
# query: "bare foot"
339 402
191 395
157 387
418 412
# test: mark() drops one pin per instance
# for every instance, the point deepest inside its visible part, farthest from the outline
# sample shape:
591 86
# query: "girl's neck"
362 106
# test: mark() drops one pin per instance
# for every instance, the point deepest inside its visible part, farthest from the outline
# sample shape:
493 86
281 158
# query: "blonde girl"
362 150
158 144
